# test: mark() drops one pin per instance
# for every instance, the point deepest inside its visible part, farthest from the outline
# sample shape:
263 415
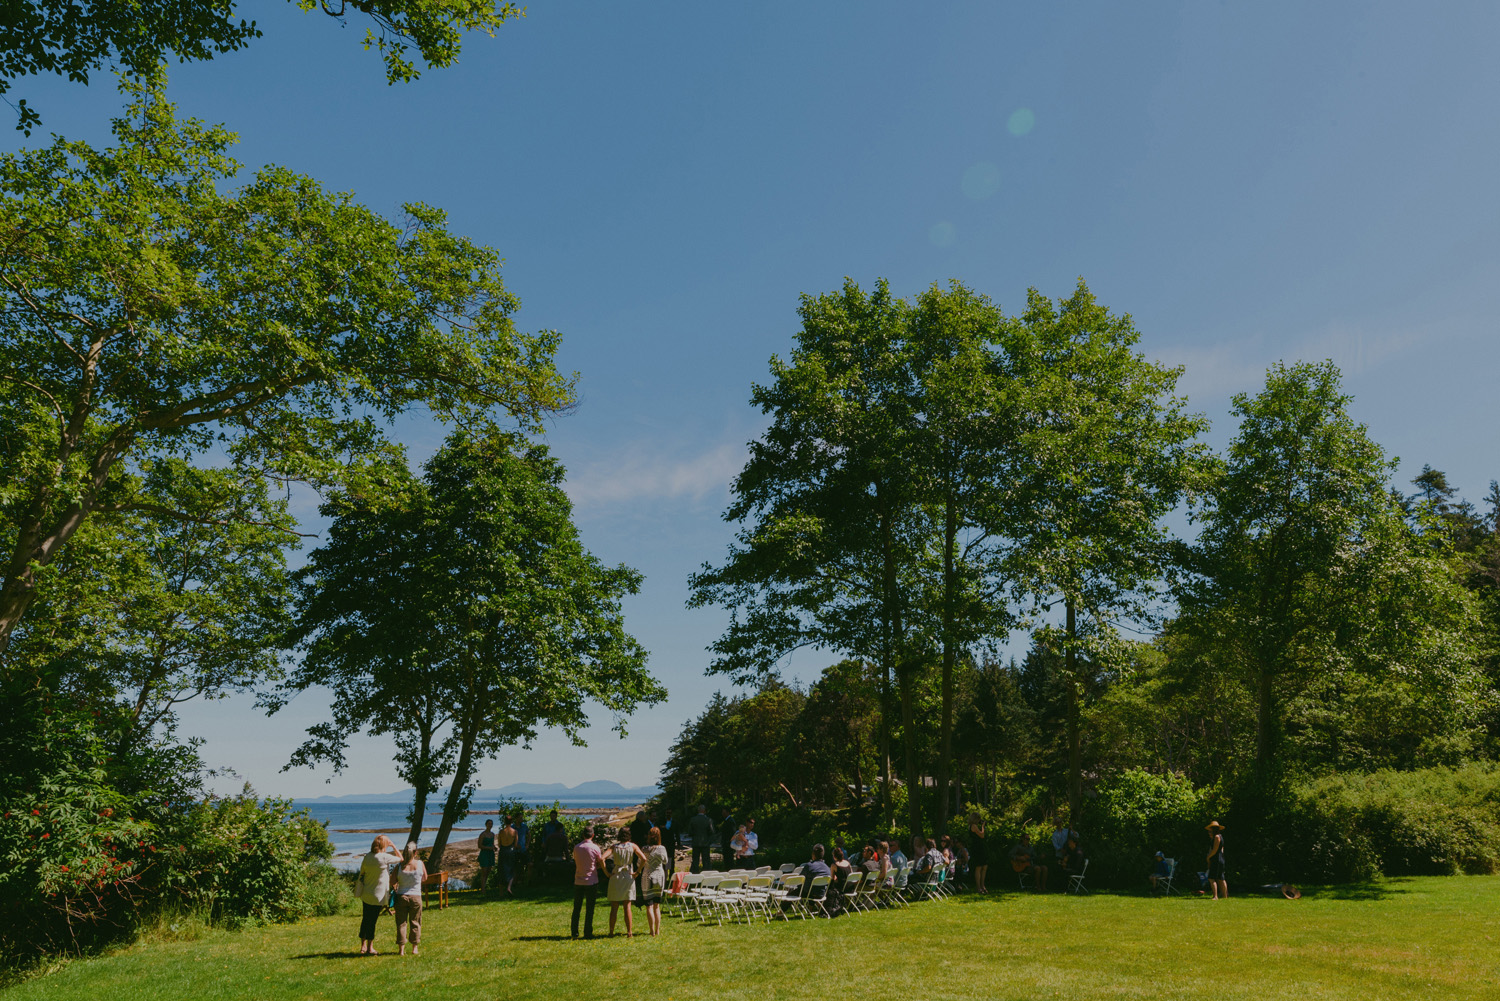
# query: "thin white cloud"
640 473
1240 365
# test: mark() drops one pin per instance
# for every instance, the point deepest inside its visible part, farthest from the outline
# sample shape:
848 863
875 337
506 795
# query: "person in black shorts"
1216 881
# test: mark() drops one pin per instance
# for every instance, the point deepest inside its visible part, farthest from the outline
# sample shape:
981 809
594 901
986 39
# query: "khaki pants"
408 908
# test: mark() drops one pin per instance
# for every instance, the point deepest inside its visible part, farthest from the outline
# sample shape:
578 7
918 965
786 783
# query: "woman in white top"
624 855
375 878
658 865
409 899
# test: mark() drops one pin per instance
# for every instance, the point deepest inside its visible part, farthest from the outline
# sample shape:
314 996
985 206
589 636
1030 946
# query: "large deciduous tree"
1108 452
74 39
1306 575
146 314
828 560
513 624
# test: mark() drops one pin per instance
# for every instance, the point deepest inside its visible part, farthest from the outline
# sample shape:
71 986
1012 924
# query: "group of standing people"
390 880
512 844
630 872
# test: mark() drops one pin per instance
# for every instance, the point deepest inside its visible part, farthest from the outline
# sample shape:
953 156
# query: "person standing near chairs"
701 831
752 840
628 860
1217 880
658 864
409 900
374 887
669 838
639 828
588 863
979 852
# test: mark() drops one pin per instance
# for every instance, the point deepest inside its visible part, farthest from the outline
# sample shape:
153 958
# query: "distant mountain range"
597 791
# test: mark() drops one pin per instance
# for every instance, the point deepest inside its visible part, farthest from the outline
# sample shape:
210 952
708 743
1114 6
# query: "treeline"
940 478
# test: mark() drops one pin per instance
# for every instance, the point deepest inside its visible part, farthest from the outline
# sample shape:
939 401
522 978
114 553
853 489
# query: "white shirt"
409 883
375 870
752 842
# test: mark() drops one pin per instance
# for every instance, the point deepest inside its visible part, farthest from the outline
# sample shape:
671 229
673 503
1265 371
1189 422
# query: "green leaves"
145 314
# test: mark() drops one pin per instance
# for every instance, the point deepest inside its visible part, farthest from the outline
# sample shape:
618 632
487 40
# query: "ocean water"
349 823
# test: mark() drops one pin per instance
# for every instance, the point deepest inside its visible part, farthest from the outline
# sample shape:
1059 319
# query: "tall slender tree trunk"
887 813
909 727
1075 754
461 774
950 656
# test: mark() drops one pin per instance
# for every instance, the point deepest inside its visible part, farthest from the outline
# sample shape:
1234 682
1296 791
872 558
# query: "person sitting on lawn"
1160 870
1023 861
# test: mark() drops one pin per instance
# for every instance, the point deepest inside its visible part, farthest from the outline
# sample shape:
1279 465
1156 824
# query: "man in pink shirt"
588 863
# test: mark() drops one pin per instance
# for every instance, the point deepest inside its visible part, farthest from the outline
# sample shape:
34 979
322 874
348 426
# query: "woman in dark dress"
486 853
979 852
1216 879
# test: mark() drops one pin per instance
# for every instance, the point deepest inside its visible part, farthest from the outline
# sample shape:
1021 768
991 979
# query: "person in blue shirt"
1160 870
812 869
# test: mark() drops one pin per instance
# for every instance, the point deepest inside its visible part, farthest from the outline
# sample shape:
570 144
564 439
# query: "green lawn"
1408 938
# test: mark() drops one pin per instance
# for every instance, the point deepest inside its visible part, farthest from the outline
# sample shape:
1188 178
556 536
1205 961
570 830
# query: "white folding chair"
790 897
727 899
901 885
851 890
1164 883
819 901
866 901
757 895
1075 882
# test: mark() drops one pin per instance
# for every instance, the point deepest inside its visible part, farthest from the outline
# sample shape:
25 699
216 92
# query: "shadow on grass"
330 955
548 938
1382 890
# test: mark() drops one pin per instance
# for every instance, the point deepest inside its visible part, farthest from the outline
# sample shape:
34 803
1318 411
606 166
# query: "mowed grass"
1410 938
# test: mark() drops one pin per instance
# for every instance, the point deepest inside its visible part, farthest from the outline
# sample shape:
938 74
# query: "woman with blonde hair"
374 885
623 855
409 899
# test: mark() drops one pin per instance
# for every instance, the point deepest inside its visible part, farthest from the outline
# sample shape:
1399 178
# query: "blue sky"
1252 182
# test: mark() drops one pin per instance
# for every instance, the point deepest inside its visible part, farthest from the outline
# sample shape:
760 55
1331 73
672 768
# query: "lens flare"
942 234
981 180
1022 121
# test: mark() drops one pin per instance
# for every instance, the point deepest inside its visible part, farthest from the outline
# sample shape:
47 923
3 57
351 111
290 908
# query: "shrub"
1432 821
1138 813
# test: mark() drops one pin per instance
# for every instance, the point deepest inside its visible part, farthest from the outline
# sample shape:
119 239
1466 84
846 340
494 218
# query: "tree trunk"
909 726
950 656
1075 754
887 813
455 792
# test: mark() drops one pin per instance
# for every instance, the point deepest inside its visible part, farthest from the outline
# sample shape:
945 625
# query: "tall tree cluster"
934 471
939 477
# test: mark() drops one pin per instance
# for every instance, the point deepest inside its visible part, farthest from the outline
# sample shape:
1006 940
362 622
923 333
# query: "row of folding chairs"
748 894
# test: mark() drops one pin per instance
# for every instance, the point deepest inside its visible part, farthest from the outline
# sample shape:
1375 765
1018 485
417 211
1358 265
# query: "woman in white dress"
375 878
626 858
658 867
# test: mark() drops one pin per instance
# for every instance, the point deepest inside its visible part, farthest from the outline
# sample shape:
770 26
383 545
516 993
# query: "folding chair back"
1075 882
1165 883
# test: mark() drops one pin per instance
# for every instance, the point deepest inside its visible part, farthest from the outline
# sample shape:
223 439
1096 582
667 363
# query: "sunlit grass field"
1408 938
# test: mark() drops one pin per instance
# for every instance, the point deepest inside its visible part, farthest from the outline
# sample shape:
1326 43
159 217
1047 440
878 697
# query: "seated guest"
897 856
812 870
1160 870
1023 861
1071 859
958 853
887 864
841 870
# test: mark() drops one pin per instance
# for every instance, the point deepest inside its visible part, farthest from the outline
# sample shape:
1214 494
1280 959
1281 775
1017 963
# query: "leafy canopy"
145 313
72 39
